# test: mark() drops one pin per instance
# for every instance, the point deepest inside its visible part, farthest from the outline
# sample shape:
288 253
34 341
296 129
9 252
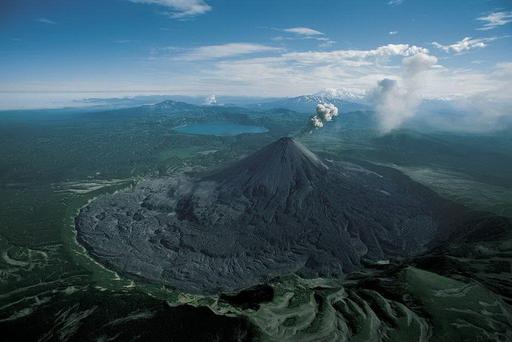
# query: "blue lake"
219 129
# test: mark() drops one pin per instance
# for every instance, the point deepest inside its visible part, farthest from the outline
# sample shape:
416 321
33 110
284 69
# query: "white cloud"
392 33
417 64
46 21
309 71
395 2
223 51
495 19
180 8
354 57
465 44
325 42
482 100
306 33
303 31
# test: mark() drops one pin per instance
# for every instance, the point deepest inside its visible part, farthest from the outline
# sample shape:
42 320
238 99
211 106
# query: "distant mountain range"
454 114
132 101
432 114
345 100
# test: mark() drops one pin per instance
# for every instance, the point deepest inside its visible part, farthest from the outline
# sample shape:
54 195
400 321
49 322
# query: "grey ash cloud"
396 100
325 112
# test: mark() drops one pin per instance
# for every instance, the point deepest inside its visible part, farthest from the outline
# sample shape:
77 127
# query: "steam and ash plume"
396 101
210 100
325 112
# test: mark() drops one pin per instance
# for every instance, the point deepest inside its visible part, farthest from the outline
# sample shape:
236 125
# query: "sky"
256 48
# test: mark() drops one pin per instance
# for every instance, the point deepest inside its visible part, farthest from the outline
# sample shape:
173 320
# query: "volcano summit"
278 211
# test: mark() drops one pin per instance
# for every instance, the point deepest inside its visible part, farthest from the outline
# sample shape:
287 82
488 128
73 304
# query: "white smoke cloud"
210 100
325 112
396 101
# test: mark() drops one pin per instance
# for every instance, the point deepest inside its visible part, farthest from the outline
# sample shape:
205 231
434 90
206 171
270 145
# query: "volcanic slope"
278 211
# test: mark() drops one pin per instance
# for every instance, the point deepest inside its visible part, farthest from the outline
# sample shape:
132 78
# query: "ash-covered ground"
278 211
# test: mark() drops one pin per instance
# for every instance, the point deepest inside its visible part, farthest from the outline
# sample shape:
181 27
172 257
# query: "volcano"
280 210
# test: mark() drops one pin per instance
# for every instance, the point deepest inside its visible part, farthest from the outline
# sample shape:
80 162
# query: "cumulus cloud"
389 50
465 44
495 19
223 51
180 8
415 65
303 31
325 112
396 101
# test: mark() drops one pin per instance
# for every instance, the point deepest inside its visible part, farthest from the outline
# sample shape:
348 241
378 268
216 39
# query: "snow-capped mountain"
346 101
342 94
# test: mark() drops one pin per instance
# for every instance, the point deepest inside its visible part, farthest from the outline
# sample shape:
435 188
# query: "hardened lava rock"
278 211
